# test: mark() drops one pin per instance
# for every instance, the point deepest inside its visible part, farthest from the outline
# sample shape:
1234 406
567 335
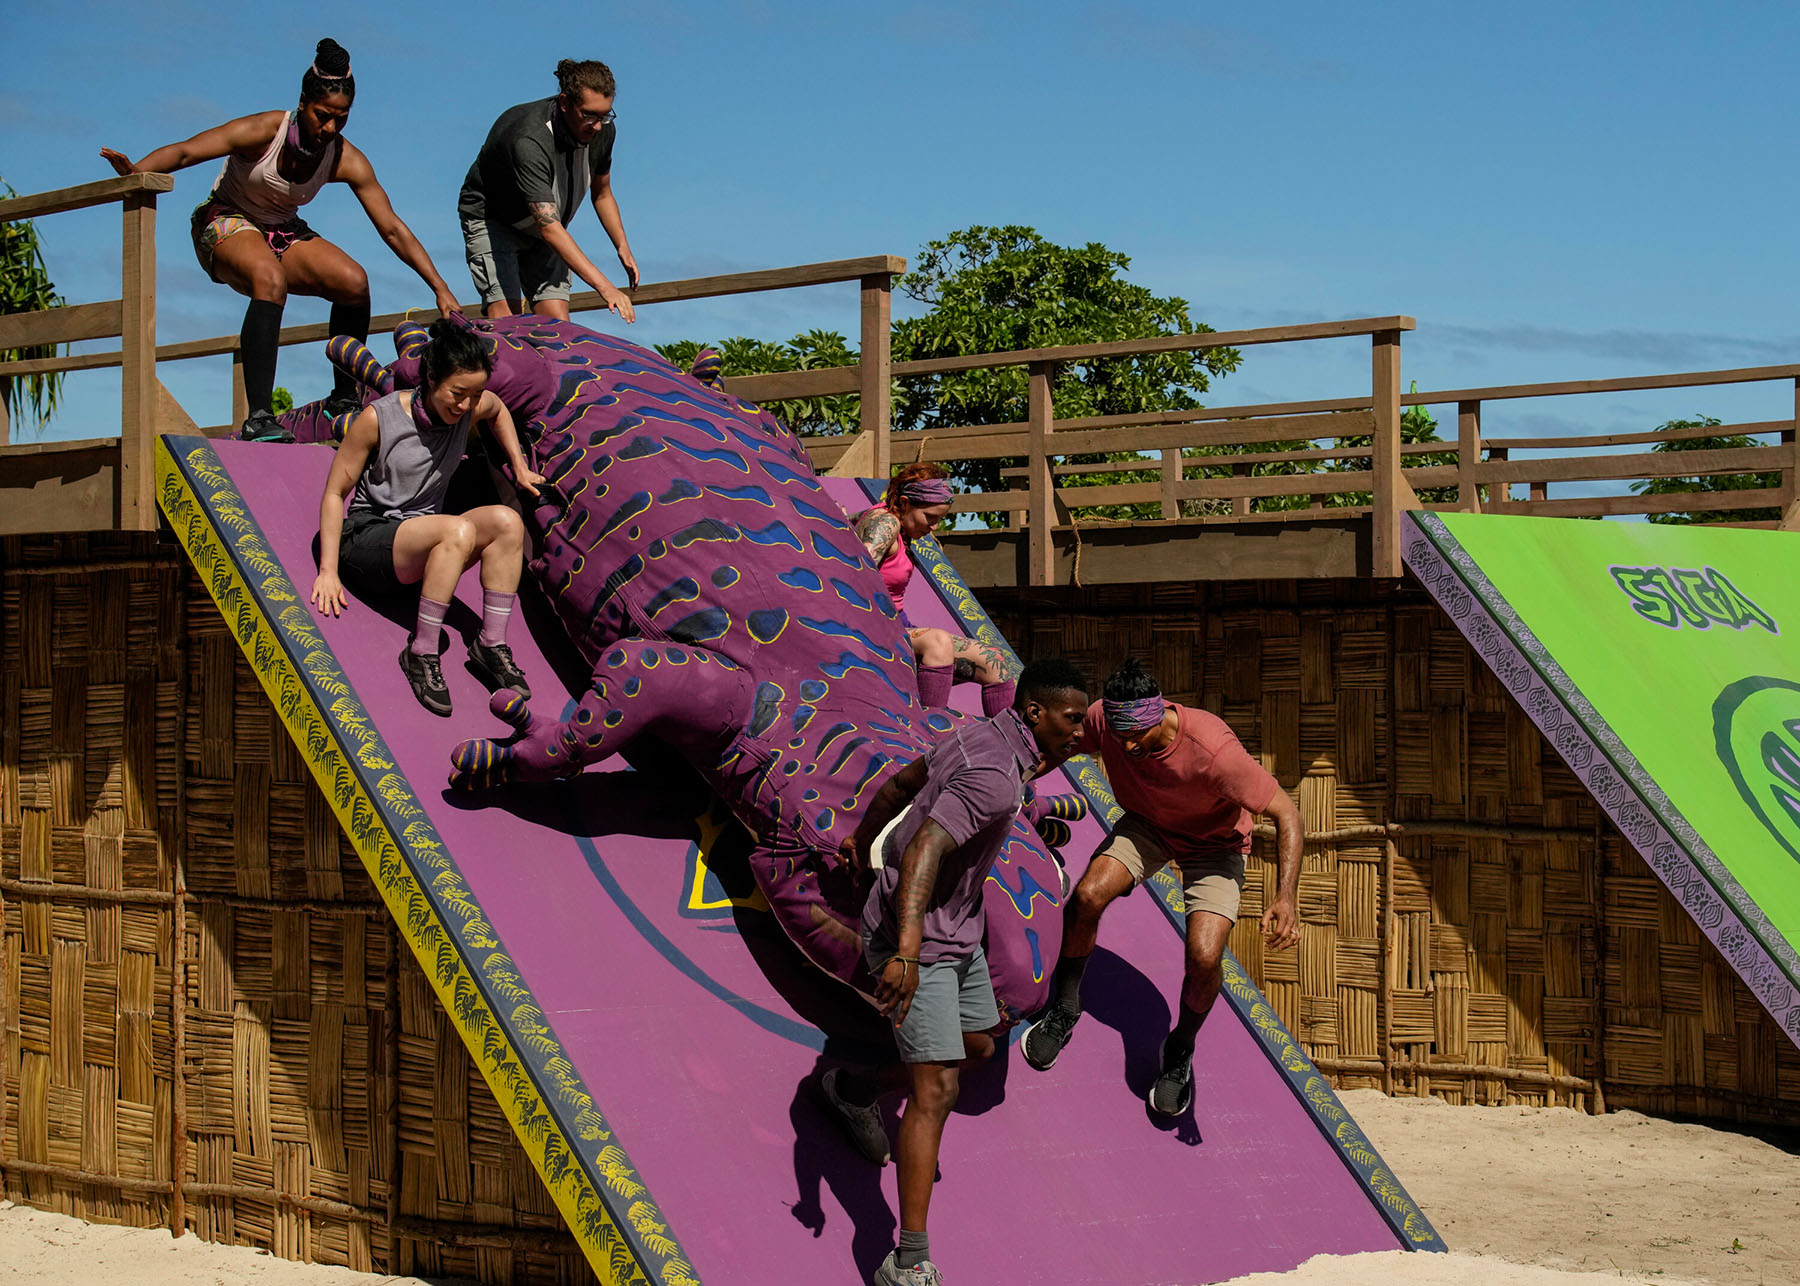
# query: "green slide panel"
1663 663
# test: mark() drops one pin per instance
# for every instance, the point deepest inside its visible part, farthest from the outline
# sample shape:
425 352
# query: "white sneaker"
891 1274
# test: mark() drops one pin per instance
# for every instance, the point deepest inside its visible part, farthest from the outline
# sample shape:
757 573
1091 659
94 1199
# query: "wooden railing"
1499 473
1041 438
1252 474
1251 468
105 482
109 486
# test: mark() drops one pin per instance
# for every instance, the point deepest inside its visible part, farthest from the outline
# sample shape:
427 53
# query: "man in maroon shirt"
1189 791
922 929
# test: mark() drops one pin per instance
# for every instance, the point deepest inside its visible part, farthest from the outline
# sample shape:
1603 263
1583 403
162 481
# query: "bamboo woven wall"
291 1064
1475 928
293 1068
91 682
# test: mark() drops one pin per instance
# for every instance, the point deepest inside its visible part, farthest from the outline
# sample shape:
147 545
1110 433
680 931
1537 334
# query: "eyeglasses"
597 118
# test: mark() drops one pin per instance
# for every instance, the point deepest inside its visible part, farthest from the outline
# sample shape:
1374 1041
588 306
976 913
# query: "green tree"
984 290
1711 482
815 350
25 287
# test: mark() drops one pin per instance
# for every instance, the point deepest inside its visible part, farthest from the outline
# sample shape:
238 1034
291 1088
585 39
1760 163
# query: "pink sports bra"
896 569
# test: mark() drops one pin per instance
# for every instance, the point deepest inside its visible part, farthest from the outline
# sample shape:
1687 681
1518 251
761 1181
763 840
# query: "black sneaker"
861 1125
494 666
427 679
1045 1038
1174 1088
262 426
342 404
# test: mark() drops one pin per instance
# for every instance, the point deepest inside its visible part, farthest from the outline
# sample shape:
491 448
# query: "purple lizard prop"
729 612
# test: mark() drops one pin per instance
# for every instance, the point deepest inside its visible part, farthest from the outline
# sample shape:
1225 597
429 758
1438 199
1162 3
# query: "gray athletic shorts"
510 265
954 996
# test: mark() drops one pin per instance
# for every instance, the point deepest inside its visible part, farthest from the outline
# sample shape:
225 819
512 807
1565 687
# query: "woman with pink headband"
248 233
917 500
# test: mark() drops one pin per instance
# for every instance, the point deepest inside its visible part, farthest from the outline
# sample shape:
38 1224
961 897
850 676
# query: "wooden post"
1171 482
1540 491
1384 995
878 366
1041 565
1392 491
1499 493
137 347
1598 886
240 401
1468 456
1240 505
178 1090
1790 476
178 971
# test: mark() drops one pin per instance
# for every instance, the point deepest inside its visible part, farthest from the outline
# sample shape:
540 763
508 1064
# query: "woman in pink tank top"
249 235
917 500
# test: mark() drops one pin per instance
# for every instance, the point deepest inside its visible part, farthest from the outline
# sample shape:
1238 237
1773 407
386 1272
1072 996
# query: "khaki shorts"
1213 883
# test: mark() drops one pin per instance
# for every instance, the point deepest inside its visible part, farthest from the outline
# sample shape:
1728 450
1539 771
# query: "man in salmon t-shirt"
1189 790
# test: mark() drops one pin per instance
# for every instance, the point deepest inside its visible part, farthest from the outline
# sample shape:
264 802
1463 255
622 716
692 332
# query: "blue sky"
1555 191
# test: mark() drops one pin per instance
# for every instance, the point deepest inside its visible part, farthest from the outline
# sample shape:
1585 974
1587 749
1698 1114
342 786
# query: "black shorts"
366 554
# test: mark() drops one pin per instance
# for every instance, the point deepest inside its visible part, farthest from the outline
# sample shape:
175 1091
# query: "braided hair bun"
329 73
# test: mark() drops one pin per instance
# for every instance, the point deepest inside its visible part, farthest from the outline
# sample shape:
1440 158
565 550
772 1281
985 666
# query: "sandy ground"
1525 1196
1536 1196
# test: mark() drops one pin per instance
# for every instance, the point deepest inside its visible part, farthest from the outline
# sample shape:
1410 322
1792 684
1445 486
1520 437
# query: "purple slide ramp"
652 1037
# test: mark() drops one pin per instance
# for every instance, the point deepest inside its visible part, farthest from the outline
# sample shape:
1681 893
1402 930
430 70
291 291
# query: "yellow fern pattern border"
445 955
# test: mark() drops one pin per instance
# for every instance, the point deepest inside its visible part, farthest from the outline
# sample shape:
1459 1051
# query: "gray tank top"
409 471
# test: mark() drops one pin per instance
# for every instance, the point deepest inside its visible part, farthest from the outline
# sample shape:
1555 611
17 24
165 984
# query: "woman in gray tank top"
394 468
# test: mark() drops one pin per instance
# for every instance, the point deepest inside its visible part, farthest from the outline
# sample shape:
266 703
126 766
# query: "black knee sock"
351 320
1065 986
1187 1027
857 1088
258 342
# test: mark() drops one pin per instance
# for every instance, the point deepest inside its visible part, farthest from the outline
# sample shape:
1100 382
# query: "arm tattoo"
543 213
919 867
918 880
878 530
984 657
910 898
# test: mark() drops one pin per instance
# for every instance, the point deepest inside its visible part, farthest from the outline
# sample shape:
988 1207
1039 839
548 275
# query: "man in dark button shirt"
922 928
525 187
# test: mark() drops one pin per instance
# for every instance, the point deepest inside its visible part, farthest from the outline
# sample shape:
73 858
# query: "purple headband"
926 491
1133 716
